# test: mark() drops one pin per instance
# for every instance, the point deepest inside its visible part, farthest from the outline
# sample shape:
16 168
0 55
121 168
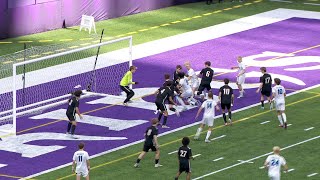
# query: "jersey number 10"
226 91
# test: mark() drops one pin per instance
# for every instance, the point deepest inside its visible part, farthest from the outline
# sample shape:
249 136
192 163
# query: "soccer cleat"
262 107
240 96
68 134
230 122
157 165
285 125
165 127
125 104
226 124
136 165
74 137
207 141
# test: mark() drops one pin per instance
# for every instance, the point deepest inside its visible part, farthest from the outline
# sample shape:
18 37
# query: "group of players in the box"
185 88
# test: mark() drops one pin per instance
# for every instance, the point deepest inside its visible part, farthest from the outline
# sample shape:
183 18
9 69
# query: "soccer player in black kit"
176 75
184 156
73 108
226 98
173 88
265 87
163 94
207 74
151 142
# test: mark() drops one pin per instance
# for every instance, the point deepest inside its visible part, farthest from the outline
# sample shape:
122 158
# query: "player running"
151 142
184 156
226 98
81 159
241 77
279 94
163 94
208 116
192 77
73 108
125 82
265 87
274 162
207 75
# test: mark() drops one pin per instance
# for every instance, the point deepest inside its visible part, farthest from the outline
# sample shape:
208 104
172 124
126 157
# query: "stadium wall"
22 17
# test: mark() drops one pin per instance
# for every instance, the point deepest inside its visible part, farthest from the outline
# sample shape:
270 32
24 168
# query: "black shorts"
184 167
225 105
266 92
147 147
161 106
204 86
71 117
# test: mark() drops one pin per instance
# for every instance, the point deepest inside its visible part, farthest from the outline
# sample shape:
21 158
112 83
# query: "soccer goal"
49 80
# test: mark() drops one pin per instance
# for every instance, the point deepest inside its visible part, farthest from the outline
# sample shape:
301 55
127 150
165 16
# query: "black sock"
69 127
224 117
262 103
172 109
175 178
164 120
156 161
73 128
138 160
229 114
160 116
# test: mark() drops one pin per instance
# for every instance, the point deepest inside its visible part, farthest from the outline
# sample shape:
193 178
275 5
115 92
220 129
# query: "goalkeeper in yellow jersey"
125 82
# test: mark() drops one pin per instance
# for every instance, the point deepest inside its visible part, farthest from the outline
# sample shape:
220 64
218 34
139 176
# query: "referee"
125 82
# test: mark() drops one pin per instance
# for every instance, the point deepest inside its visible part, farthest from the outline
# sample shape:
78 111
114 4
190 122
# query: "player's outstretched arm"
200 109
78 112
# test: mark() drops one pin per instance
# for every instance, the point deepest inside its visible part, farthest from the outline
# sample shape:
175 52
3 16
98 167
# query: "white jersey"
279 92
81 158
185 85
209 108
193 75
241 69
274 163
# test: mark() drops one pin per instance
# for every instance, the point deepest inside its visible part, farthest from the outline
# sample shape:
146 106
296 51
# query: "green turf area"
246 139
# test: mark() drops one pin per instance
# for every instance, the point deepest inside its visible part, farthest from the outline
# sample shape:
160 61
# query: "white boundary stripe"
308 129
173 152
262 167
313 174
257 157
313 4
218 159
250 162
196 155
289 125
265 122
219 137
165 133
280 1
291 170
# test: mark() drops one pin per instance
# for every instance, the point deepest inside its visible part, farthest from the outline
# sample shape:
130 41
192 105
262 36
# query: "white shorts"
194 84
241 79
274 177
186 94
82 172
280 106
208 121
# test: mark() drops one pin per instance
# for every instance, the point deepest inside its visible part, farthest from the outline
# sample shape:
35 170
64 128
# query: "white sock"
280 120
198 132
241 93
284 117
208 135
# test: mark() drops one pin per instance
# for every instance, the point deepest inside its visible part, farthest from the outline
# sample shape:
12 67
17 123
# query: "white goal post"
114 59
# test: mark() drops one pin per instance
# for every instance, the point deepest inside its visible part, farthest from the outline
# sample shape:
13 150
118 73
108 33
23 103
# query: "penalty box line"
257 157
178 140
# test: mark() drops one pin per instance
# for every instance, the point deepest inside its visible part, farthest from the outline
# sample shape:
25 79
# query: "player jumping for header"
241 77
279 94
73 108
265 87
125 82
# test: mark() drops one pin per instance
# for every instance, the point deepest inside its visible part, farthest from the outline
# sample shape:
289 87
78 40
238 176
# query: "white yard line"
291 170
218 159
219 137
265 122
257 157
281 1
196 155
308 129
262 167
313 4
313 174
173 152
250 162
289 125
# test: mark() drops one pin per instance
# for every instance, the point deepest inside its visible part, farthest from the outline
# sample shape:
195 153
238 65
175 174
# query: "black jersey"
184 154
164 93
175 78
207 74
266 81
73 104
226 94
150 132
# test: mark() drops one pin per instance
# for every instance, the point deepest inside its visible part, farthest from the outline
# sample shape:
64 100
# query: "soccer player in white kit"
279 94
274 162
208 116
81 160
186 91
241 77
192 77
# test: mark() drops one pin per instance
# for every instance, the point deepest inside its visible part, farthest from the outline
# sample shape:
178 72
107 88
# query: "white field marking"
262 167
289 125
291 170
219 137
313 4
218 159
265 122
313 174
250 162
308 129
281 1
158 46
173 152
196 155
257 157
163 134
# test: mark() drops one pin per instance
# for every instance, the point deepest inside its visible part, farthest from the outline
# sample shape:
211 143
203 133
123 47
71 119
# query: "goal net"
47 81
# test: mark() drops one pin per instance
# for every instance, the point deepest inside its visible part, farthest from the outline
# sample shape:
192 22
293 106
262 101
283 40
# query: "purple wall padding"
22 17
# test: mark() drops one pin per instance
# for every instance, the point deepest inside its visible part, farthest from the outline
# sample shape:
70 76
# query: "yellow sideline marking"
154 27
142 30
310 92
195 17
20 59
45 40
227 9
108 38
7 62
162 25
25 41
134 32
237 6
96 41
84 44
72 47
217 11
186 19
120 35
63 40
207 14
246 4
46 53
5 42
58 50
178 140
36 55
175 22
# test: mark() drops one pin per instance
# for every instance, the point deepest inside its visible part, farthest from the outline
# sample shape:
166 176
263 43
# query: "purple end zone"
285 36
